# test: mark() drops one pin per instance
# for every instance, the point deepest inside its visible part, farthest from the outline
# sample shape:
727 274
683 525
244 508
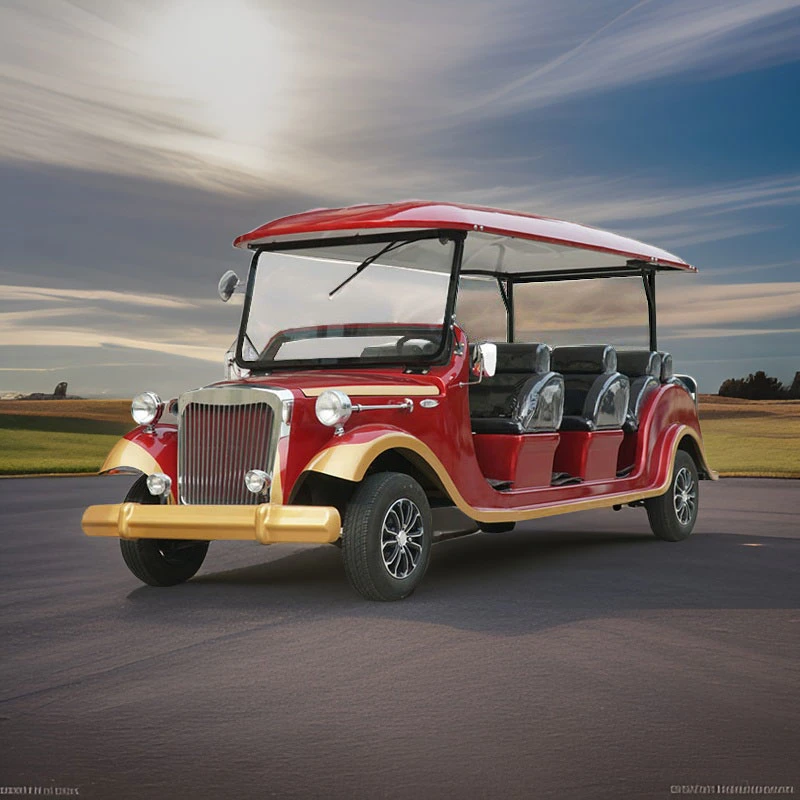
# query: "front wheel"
160 562
673 514
387 536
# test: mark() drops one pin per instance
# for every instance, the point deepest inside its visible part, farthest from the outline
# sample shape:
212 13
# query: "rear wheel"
387 536
160 562
673 514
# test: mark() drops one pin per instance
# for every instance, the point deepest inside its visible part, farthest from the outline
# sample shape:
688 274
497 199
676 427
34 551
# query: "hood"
311 382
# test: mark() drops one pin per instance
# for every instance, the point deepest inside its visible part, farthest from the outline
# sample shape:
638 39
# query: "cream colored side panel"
126 453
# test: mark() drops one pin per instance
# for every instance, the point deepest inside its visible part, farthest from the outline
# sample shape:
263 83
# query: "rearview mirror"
227 285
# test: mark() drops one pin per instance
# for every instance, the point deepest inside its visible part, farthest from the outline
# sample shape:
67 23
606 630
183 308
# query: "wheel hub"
401 538
685 496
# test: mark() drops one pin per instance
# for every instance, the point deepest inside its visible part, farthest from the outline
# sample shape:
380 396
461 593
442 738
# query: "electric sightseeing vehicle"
408 372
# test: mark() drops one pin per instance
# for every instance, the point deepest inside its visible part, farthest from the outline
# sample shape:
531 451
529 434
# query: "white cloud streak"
250 94
649 40
73 337
47 294
97 319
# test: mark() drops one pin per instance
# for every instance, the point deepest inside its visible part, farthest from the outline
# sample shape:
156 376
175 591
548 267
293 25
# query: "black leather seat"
523 396
596 395
643 370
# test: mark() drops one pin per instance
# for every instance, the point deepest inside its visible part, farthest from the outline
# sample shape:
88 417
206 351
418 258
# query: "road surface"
577 657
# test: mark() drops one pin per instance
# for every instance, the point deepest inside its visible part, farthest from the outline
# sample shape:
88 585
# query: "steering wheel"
400 343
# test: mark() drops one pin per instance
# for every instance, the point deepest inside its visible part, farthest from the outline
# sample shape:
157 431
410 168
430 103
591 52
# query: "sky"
137 139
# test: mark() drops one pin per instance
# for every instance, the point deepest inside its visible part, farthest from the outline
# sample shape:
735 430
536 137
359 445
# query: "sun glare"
221 63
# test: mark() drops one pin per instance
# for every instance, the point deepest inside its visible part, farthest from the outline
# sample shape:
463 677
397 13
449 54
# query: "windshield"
320 307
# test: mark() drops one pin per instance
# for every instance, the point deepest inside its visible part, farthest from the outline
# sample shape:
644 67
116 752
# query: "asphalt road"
577 657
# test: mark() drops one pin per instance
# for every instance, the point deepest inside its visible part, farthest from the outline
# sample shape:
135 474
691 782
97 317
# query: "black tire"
673 514
375 562
160 562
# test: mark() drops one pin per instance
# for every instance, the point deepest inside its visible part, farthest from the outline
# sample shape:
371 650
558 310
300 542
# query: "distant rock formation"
59 393
794 389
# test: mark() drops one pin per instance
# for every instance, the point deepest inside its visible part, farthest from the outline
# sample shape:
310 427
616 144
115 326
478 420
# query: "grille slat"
217 445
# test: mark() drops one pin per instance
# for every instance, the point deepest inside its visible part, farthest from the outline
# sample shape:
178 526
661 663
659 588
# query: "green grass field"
58 436
742 437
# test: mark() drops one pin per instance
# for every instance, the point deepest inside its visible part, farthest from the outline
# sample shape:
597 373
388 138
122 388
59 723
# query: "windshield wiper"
367 261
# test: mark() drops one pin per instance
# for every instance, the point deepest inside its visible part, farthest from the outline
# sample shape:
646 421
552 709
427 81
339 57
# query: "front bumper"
265 523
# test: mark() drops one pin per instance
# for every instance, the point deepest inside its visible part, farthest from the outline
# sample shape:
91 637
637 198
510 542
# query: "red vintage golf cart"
411 371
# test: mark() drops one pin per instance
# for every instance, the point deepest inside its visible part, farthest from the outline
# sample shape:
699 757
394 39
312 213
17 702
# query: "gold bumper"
264 523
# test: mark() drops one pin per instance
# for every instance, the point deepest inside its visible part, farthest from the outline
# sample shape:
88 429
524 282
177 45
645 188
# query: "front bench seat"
643 370
523 396
596 395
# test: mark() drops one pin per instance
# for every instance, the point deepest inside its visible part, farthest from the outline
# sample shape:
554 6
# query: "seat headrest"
591 359
666 367
522 357
638 363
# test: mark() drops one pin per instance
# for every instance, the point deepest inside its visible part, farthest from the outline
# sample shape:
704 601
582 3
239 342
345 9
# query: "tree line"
760 386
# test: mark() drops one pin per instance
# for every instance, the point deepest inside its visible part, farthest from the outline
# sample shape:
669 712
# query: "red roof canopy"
488 222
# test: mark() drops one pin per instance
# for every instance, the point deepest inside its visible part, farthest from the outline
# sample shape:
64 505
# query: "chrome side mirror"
227 285
488 352
484 363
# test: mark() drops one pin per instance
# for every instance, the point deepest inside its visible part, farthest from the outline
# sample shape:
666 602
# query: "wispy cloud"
172 90
606 201
726 333
713 306
69 318
10 293
162 341
648 40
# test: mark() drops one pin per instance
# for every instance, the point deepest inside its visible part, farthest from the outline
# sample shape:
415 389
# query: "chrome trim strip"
375 390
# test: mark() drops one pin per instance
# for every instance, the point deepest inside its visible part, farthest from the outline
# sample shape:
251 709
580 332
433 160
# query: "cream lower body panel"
265 523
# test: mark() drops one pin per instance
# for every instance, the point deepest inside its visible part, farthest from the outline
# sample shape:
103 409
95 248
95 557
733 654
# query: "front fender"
145 451
350 456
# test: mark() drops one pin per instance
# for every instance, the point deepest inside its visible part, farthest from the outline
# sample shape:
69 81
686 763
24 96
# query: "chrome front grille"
222 434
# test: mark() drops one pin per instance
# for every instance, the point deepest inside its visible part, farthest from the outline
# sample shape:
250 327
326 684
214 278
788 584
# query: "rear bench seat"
596 395
643 370
595 406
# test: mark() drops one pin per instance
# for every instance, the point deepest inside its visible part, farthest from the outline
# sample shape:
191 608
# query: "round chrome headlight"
333 407
146 408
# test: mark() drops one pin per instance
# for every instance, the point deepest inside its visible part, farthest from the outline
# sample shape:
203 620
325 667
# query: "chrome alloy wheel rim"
685 496
401 538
